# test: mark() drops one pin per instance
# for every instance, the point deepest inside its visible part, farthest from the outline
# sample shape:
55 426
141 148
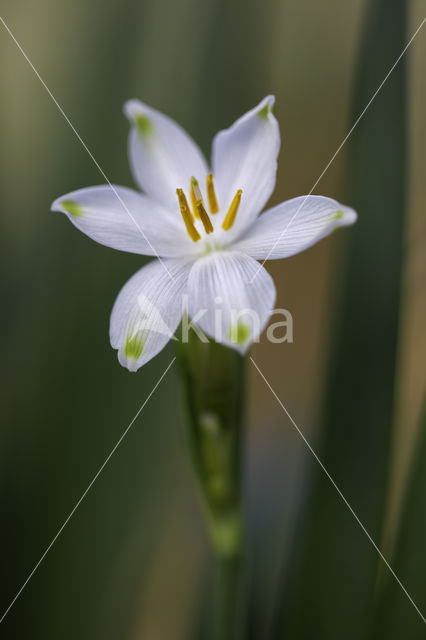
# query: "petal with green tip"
293 226
148 310
234 309
162 155
245 157
126 220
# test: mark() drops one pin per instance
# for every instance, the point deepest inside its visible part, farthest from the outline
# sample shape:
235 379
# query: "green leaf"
329 585
396 616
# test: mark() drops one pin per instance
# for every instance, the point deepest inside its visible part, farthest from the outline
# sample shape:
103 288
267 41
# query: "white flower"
204 225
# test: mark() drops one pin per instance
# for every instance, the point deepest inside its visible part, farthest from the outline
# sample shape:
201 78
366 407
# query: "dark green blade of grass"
63 408
396 617
328 589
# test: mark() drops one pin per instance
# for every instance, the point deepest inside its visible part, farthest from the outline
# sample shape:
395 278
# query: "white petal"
293 226
245 157
124 219
163 157
225 303
147 311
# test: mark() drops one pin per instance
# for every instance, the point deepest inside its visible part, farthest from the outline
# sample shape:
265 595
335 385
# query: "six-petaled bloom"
203 225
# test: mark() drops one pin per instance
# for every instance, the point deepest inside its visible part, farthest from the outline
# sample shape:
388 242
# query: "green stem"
213 384
229 597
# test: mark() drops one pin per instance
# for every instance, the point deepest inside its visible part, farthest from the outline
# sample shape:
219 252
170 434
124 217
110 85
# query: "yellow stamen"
232 212
196 189
187 216
195 195
202 213
211 196
198 205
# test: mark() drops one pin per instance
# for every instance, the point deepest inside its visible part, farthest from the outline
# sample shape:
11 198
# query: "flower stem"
213 384
229 598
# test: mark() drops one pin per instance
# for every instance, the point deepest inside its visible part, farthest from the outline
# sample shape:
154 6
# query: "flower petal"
126 220
293 226
147 311
245 157
163 157
224 303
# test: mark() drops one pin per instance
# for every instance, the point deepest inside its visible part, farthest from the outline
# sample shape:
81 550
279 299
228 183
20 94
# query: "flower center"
198 211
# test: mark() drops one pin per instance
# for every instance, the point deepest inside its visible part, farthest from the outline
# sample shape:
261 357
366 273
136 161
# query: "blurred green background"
133 562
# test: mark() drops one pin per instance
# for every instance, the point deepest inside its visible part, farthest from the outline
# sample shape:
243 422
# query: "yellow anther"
211 196
193 198
196 189
202 213
198 205
187 216
232 211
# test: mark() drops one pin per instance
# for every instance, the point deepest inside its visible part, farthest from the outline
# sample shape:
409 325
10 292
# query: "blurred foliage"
394 615
334 568
331 583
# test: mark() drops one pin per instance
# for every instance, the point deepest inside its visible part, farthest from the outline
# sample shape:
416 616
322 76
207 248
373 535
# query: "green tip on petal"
265 111
337 216
239 333
72 208
143 124
133 347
